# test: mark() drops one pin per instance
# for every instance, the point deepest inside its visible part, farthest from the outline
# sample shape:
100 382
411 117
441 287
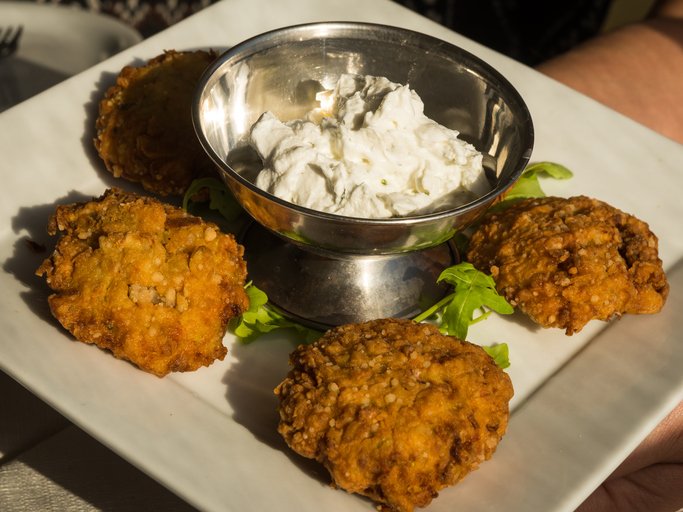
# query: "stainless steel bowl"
281 71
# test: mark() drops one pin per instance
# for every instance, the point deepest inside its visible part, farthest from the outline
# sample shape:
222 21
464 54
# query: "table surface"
41 450
47 463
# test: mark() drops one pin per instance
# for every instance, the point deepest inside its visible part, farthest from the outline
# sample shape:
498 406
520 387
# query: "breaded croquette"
394 409
145 280
564 262
144 127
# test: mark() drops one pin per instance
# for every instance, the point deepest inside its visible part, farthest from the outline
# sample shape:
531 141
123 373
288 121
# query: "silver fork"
9 40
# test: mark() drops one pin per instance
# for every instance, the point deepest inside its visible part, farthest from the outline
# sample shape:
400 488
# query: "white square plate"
582 403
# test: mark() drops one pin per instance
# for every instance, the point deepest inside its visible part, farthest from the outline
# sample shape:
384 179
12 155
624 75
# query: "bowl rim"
256 43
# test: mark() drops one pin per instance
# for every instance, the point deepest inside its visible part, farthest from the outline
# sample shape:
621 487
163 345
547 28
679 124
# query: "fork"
9 40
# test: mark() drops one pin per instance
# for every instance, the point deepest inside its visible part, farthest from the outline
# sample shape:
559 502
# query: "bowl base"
323 289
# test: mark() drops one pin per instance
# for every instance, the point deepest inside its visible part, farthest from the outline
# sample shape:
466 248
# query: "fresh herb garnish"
220 198
528 185
473 291
499 353
262 318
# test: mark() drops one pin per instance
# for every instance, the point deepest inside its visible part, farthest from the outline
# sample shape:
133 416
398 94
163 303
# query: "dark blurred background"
529 31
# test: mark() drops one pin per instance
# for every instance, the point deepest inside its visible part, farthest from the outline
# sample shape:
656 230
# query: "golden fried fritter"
144 127
394 409
145 280
565 262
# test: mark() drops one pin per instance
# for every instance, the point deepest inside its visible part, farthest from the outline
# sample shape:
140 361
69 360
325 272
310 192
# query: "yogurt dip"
368 152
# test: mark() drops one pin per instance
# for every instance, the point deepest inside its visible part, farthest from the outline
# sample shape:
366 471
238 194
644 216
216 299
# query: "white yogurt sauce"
368 152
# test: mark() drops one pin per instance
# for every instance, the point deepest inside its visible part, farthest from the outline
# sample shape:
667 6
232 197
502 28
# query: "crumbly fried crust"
565 262
395 410
145 280
144 127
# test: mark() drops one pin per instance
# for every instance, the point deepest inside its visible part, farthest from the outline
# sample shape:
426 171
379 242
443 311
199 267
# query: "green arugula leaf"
453 314
528 185
500 354
262 318
550 169
220 197
473 291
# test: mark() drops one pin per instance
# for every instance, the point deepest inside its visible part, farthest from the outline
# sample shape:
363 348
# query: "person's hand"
651 478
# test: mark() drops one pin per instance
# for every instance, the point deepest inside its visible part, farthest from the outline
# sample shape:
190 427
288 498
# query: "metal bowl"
280 71
326 269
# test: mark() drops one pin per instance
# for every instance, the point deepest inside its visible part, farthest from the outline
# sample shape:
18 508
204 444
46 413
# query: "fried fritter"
147 281
144 127
394 409
564 262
